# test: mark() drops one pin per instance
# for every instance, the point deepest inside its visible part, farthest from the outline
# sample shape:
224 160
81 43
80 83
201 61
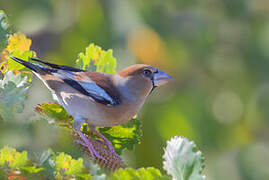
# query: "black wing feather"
63 67
79 88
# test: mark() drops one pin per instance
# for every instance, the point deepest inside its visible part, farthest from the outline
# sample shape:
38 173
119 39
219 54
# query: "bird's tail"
56 66
34 67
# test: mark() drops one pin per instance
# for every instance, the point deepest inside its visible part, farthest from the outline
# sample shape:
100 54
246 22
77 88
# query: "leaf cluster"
96 59
11 160
181 160
13 93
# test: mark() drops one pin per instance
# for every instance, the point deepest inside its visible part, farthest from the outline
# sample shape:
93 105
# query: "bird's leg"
78 121
106 141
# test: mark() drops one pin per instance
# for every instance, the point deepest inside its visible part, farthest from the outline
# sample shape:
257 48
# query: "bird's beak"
161 78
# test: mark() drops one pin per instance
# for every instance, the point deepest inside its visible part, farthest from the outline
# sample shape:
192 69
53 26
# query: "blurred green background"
216 50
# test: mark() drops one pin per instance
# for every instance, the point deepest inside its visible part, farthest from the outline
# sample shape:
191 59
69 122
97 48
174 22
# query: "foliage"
13 91
66 166
10 158
124 136
139 174
4 30
96 59
182 161
18 46
54 112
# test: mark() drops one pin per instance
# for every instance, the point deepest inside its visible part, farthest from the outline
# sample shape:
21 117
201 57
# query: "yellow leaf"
18 42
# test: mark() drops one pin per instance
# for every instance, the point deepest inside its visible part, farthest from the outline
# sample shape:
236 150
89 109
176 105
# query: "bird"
98 99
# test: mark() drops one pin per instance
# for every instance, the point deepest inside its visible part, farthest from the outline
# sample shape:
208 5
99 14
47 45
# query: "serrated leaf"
13 90
96 59
4 30
54 112
140 174
124 136
18 42
181 160
65 165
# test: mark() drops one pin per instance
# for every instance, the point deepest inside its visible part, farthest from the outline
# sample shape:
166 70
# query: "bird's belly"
97 114
107 116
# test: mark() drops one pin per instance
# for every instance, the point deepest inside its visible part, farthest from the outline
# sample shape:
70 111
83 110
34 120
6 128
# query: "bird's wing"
98 86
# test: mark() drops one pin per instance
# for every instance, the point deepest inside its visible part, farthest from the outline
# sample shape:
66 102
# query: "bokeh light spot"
227 107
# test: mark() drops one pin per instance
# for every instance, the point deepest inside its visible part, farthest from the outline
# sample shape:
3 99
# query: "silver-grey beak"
161 78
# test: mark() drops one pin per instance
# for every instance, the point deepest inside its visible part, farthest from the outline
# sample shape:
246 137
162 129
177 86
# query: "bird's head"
141 79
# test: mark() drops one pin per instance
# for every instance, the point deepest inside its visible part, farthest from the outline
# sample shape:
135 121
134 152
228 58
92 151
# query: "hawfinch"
98 99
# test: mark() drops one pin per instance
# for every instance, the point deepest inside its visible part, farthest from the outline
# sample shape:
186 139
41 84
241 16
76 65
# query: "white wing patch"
87 84
93 88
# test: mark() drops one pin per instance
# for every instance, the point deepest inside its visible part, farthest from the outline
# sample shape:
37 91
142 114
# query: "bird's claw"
94 154
112 150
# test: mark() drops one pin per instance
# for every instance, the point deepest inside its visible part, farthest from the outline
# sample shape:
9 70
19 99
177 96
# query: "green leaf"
53 111
124 136
65 165
13 90
140 174
182 161
96 59
4 30
31 169
11 158
13 65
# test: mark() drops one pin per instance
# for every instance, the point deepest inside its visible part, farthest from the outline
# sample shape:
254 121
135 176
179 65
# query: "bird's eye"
147 72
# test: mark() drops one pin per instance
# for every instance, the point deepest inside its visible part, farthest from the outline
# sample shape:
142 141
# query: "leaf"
55 112
96 59
124 136
13 90
11 158
18 42
18 46
31 169
4 30
140 174
182 161
65 165
13 65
